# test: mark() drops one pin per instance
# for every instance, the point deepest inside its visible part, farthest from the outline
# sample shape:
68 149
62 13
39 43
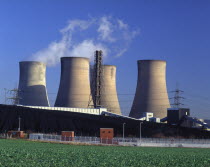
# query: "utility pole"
177 97
19 119
140 132
124 132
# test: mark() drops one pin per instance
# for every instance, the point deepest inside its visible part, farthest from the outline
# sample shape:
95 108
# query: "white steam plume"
105 30
80 38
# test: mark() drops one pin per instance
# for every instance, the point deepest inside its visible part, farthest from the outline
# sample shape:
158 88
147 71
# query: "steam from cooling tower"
32 84
151 91
83 37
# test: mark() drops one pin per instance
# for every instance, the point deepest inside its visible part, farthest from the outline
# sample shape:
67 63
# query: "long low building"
54 121
94 111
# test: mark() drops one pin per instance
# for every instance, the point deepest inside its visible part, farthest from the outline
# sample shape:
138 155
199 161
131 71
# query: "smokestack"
32 84
109 97
151 92
74 89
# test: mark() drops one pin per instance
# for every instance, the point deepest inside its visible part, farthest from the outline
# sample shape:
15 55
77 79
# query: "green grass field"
26 153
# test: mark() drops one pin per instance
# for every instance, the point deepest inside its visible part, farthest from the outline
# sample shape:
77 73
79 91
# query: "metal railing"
156 142
122 141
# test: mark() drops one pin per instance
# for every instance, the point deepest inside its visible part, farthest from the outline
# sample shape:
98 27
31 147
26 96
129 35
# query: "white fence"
147 142
152 142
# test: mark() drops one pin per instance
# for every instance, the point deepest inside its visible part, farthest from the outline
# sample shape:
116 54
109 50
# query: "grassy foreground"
26 153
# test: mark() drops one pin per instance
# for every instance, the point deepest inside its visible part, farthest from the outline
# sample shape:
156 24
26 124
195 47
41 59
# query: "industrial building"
94 111
174 115
87 101
84 124
32 84
151 91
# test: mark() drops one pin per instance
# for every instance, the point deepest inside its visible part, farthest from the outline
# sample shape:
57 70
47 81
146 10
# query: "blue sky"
173 30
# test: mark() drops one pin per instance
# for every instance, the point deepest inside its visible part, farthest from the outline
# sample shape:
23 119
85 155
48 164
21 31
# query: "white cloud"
86 48
52 54
122 25
105 30
81 24
130 35
81 38
121 52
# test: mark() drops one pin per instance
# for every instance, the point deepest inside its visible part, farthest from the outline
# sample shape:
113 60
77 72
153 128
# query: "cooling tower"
109 97
32 84
74 89
151 92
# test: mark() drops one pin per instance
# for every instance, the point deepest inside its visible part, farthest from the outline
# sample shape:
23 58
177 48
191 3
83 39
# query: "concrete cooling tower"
109 97
74 89
151 92
32 84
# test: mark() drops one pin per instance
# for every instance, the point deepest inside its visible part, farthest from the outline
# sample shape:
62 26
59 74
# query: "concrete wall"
32 84
109 97
74 89
151 92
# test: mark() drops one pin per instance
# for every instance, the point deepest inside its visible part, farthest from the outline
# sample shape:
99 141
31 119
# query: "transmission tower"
14 96
177 98
6 91
96 72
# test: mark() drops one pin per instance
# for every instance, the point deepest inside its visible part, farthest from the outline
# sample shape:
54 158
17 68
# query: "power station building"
32 84
151 91
109 98
71 110
74 90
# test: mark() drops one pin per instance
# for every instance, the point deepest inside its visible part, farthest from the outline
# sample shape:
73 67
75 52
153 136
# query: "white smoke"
105 30
80 38
87 47
122 25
